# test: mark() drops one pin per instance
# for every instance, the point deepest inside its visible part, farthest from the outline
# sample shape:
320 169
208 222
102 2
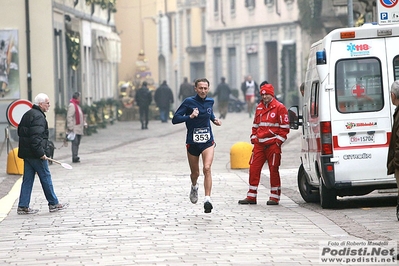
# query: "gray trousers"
75 146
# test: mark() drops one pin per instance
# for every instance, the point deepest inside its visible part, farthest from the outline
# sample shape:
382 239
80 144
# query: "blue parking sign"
384 15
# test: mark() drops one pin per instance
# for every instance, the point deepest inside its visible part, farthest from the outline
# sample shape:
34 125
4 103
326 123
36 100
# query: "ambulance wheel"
308 193
328 197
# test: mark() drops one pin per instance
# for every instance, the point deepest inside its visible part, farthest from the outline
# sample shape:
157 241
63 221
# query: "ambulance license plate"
361 139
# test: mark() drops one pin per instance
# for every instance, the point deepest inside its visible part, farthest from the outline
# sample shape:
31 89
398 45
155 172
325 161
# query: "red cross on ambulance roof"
358 91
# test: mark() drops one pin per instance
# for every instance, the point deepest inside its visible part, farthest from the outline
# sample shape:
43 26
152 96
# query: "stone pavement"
129 205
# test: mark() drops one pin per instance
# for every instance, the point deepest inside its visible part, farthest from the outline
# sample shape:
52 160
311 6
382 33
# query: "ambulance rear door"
360 111
392 52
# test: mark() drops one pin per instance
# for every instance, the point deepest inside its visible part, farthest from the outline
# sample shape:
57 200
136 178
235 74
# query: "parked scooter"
235 105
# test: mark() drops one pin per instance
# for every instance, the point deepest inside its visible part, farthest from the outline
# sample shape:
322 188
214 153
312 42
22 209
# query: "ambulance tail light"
348 34
326 138
329 168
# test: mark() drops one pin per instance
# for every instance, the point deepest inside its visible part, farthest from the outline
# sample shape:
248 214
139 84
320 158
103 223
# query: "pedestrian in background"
250 90
197 112
163 99
75 125
222 93
393 150
34 150
269 131
186 90
143 99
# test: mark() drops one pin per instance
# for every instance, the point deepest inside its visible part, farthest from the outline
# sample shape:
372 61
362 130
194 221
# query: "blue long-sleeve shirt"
199 127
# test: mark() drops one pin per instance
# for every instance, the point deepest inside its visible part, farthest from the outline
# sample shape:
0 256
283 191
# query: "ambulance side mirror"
294 117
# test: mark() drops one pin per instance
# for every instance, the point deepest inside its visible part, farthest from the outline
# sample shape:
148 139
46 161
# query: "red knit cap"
267 89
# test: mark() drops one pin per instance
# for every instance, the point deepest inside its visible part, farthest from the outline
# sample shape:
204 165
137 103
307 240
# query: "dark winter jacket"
222 92
143 97
163 96
33 134
393 150
186 90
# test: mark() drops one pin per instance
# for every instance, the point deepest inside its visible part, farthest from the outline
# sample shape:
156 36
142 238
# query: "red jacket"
271 124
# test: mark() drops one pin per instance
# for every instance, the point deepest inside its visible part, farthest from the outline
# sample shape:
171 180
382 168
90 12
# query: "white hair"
395 88
40 98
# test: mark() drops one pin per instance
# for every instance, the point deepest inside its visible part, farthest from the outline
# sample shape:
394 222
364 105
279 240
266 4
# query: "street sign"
388 12
16 110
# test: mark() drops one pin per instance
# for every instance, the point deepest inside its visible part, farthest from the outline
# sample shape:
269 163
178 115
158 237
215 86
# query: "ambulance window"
396 67
358 85
314 100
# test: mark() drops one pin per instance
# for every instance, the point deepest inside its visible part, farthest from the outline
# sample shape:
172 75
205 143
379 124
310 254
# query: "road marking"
8 200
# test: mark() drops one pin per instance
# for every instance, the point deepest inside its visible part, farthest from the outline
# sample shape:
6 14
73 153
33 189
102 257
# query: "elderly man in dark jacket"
393 150
163 98
33 149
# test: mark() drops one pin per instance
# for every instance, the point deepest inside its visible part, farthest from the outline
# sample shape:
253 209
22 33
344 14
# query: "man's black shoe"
271 202
76 160
247 201
397 212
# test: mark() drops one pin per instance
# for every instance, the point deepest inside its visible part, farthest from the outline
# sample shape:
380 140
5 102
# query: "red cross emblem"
358 91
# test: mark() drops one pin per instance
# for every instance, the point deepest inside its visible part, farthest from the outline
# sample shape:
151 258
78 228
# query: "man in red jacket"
269 131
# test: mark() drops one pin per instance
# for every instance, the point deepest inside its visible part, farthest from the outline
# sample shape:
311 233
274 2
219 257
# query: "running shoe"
58 207
208 206
25 210
194 194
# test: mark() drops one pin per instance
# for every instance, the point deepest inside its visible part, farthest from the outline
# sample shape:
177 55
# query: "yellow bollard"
15 165
240 154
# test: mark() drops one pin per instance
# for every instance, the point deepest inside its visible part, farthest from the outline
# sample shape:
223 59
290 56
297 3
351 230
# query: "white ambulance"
346 113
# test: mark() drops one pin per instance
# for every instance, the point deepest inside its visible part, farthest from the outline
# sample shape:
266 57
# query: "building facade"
233 38
58 47
166 34
185 38
258 38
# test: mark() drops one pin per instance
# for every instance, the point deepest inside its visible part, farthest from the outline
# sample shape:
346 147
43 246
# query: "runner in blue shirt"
197 112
